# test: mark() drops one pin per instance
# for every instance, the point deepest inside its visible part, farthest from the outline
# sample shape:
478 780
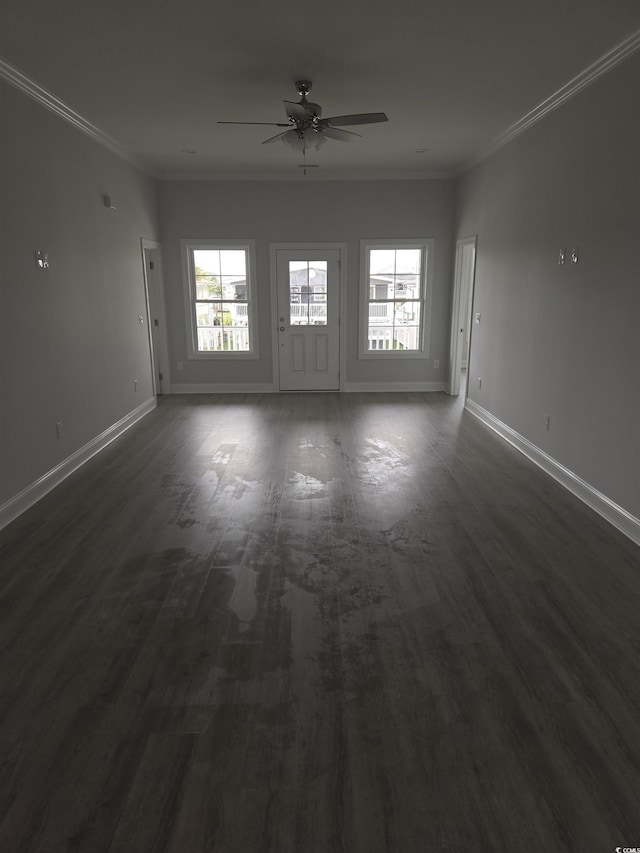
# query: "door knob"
282 328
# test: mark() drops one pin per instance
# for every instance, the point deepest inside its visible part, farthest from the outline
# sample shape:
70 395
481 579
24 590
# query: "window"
308 293
220 299
394 298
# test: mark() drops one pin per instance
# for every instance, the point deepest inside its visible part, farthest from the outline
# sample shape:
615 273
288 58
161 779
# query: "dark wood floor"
317 623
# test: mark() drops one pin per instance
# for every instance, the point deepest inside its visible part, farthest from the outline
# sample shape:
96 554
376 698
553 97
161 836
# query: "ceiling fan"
306 127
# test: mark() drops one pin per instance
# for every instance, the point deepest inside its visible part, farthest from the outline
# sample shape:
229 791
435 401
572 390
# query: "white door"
308 318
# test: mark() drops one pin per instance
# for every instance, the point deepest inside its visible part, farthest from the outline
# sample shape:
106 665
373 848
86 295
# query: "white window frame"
427 247
188 274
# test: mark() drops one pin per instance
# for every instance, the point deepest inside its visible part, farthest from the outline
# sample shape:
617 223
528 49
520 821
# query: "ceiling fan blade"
338 133
358 118
296 111
270 123
277 136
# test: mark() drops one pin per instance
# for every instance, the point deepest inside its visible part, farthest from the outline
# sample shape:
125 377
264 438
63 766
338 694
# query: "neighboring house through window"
394 298
308 293
220 298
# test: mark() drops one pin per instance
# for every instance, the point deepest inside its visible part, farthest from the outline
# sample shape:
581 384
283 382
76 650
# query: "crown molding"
33 90
589 75
585 78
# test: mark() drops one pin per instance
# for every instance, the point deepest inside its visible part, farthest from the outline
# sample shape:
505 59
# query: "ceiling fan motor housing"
310 118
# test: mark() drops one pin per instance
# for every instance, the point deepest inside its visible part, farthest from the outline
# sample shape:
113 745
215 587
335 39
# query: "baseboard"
614 514
395 386
15 506
267 388
223 388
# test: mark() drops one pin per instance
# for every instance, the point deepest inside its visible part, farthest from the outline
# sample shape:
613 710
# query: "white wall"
70 342
306 211
564 340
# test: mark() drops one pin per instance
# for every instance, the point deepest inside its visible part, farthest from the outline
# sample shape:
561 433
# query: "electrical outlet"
545 423
59 429
180 366
562 257
436 363
477 317
574 255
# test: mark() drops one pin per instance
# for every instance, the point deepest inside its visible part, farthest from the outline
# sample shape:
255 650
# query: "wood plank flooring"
317 623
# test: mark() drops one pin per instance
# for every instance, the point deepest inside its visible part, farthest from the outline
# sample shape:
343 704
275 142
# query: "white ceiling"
157 75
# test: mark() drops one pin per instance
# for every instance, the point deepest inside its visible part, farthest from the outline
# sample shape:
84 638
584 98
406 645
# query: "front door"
308 286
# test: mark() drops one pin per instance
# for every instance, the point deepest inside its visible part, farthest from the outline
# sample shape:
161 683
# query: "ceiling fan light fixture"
293 140
304 140
314 138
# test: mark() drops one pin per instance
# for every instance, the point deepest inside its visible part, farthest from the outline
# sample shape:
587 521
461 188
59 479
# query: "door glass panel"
308 293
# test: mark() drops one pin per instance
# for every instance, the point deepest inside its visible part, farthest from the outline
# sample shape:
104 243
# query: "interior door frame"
161 357
457 344
341 248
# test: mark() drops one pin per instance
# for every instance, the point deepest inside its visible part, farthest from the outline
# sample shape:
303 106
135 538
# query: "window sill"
216 356
392 355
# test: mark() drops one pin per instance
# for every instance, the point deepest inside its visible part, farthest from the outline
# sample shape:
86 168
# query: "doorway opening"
461 313
154 293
